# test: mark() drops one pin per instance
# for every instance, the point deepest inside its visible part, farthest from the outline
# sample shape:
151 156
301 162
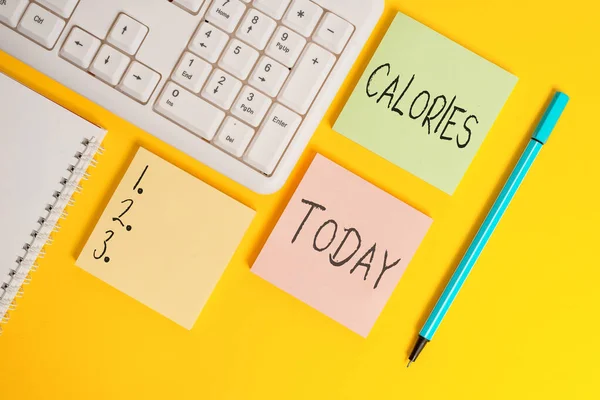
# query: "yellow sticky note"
165 238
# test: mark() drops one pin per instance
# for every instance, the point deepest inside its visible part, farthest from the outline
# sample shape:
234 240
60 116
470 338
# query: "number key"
189 111
256 29
286 46
239 58
251 106
209 42
221 89
269 76
192 72
226 14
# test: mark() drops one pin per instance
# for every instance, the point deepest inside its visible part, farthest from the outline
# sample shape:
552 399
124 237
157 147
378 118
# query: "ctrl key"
272 139
41 26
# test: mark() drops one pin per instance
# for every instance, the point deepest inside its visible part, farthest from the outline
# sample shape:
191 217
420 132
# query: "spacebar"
189 111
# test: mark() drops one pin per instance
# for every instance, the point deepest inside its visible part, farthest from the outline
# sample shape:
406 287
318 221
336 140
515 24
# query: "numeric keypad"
256 61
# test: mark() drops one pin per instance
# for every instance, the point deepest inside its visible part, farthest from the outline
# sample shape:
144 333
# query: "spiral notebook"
45 151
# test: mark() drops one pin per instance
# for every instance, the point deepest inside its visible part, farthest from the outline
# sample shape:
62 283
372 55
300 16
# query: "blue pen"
539 138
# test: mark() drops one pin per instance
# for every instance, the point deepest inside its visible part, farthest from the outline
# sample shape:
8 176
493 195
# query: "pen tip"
409 362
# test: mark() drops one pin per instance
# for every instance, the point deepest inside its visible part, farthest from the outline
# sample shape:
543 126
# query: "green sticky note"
425 103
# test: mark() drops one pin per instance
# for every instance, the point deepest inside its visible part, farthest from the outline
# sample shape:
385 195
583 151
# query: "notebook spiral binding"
11 287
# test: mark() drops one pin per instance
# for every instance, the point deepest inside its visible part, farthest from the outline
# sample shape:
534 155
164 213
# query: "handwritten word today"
436 113
346 250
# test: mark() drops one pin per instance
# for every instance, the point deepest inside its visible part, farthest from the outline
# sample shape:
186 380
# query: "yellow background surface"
525 325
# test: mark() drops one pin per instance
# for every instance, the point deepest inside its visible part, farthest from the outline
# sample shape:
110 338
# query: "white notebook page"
38 141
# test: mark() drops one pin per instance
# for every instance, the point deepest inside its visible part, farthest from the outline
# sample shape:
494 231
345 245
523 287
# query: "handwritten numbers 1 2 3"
99 256
129 202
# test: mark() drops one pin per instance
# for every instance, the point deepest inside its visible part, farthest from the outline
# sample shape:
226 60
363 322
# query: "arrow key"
127 34
208 42
109 65
80 48
221 89
256 29
268 76
139 82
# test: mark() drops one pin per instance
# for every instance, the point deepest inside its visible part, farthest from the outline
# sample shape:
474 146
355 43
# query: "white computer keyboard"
238 84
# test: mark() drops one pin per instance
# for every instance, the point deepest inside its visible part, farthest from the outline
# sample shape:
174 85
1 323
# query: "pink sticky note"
341 245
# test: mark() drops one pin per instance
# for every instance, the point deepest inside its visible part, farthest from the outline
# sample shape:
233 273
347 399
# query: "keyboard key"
303 16
238 59
109 65
307 78
333 33
269 76
189 111
41 26
251 106
234 136
192 6
273 8
80 47
139 82
221 89
285 46
226 14
208 42
256 29
64 8
11 11
127 34
272 139
192 72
